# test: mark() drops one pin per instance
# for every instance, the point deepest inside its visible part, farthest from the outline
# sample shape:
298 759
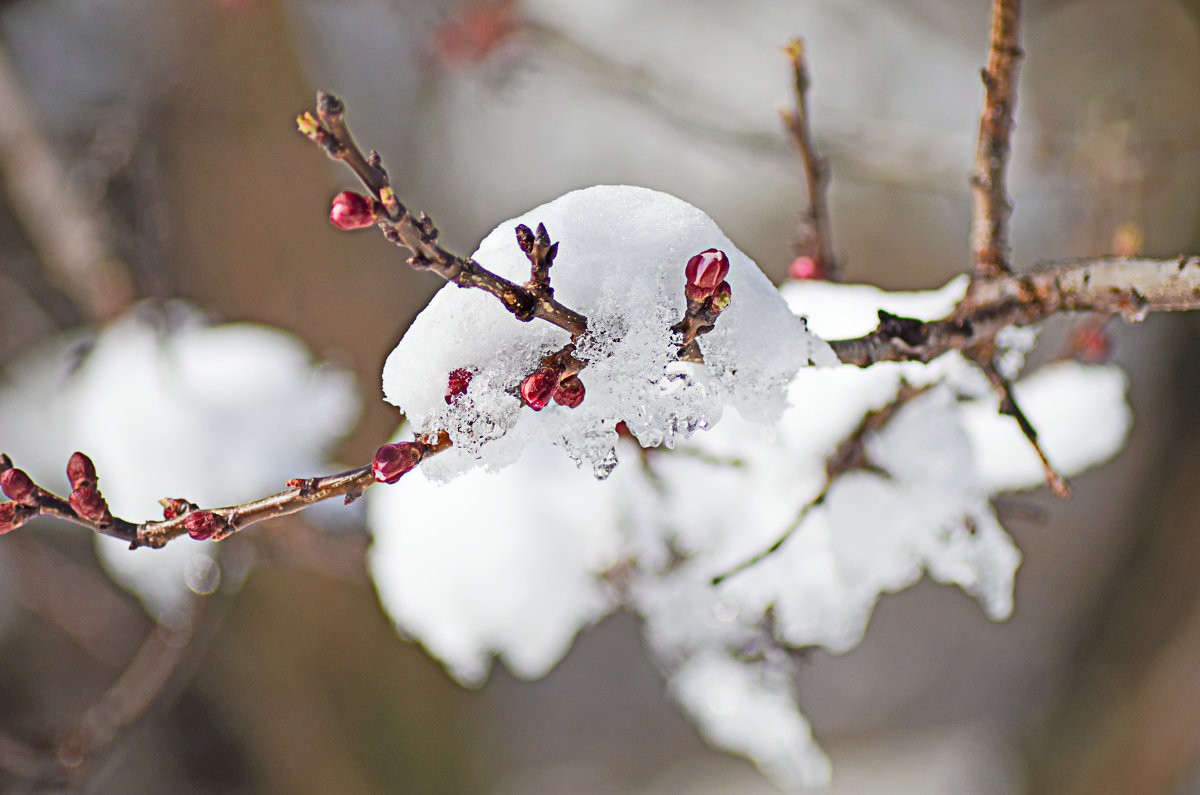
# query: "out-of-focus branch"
1129 287
991 207
69 238
816 240
850 455
417 232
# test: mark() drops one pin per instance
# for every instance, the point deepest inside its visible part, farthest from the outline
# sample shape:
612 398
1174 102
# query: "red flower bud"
707 269
203 525
173 506
697 294
392 461
81 471
88 504
569 392
352 211
538 387
721 298
805 268
459 380
8 517
18 486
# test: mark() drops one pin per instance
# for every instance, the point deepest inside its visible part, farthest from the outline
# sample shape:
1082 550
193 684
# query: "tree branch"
185 518
417 233
1129 287
991 207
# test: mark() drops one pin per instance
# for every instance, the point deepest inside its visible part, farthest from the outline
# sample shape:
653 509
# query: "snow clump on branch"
529 555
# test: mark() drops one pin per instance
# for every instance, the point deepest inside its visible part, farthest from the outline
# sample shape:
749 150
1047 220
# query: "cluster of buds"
556 379
86 500
20 488
549 383
706 283
353 211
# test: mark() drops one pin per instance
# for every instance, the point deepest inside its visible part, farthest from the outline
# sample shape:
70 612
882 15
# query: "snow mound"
621 258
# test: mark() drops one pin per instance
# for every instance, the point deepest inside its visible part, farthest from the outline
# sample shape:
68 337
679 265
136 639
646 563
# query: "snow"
513 562
170 406
622 252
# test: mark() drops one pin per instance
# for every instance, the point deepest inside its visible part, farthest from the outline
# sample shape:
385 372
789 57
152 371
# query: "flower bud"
8 517
457 384
806 268
81 471
538 387
18 486
392 461
707 269
87 503
569 392
352 211
721 298
173 506
203 525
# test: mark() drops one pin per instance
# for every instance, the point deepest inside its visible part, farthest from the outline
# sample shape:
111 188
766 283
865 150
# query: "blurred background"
148 152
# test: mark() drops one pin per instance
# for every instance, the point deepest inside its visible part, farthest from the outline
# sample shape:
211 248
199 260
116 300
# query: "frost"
622 252
228 411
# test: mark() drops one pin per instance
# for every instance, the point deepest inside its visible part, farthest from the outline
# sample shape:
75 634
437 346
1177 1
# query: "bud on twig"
392 461
538 387
457 384
173 506
569 392
353 211
806 268
88 504
81 471
721 297
18 486
705 272
203 525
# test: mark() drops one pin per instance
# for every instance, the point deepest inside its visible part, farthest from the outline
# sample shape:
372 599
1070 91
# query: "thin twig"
991 207
816 240
302 492
417 232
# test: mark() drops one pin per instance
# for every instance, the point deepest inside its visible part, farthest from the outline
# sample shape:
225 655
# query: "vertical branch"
816 237
991 207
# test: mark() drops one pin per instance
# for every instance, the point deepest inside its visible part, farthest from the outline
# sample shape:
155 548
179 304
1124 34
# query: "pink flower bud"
352 211
203 525
81 471
18 486
88 504
459 380
707 269
392 461
8 517
173 506
538 387
569 392
721 297
805 268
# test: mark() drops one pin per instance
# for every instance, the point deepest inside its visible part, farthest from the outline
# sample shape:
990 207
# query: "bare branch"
816 240
991 207
1129 287
417 232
